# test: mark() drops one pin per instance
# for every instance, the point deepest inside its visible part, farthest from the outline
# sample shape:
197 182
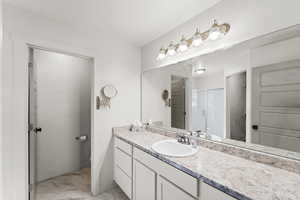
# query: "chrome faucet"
183 139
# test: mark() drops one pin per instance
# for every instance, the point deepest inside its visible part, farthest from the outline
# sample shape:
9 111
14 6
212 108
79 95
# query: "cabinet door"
168 191
144 187
209 193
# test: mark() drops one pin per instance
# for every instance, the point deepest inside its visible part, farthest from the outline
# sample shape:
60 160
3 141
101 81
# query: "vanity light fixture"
183 45
197 39
171 49
215 32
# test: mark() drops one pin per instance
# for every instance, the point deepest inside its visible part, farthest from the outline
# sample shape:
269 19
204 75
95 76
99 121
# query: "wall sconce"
215 32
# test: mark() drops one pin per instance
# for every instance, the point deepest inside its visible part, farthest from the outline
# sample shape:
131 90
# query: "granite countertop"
238 177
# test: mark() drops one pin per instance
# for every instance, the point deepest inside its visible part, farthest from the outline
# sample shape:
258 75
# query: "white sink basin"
174 148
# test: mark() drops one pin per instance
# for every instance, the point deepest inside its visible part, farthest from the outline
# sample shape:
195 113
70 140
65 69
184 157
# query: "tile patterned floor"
73 186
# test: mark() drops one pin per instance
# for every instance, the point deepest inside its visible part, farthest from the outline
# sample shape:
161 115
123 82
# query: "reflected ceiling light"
200 70
162 54
217 31
183 45
197 39
171 49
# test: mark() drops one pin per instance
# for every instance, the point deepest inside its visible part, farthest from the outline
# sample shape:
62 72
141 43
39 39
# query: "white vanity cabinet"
143 177
167 190
123 166
144 182
167 181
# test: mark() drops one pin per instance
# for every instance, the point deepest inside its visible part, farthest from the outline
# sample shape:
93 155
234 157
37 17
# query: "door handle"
255 127
38 129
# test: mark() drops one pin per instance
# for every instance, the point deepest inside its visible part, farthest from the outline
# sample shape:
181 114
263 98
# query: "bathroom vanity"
208 175
242 105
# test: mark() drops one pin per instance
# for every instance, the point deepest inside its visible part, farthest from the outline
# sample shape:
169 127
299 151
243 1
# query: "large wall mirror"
246 95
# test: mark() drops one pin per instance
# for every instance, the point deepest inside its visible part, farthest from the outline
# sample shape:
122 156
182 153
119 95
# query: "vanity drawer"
123 161
123 145
179 178
123 181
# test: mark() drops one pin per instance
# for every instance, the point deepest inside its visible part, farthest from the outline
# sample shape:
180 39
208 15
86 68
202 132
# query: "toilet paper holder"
81 138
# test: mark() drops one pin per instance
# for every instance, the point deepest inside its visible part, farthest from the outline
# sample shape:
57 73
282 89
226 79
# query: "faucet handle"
187 140
180 138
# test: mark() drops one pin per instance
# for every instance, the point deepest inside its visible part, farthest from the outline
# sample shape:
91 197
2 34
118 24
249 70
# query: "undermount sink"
173 148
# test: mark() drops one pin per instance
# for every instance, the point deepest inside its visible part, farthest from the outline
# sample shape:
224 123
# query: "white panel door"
144 182
168 191
59 101
276 105
215 112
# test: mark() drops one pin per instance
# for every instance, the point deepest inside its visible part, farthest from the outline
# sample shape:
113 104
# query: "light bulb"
162 54
197 39
200 70
171 49
215 32
183 45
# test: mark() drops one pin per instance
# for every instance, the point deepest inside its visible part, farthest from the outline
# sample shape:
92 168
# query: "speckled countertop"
238 177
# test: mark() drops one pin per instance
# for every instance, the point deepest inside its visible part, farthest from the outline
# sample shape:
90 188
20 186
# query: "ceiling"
138 21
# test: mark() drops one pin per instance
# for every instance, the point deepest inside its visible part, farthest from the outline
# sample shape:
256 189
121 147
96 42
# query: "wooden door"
276 105
178 102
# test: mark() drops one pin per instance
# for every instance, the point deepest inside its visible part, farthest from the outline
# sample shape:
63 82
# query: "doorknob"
38 129
255 127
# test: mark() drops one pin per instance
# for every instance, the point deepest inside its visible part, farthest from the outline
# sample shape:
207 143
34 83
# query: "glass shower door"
215 112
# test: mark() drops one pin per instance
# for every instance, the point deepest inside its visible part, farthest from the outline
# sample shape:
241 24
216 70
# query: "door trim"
17 59
227 103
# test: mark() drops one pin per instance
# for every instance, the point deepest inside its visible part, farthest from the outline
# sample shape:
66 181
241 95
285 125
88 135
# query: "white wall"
116 62
248 19
211 81
1 130
63 111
